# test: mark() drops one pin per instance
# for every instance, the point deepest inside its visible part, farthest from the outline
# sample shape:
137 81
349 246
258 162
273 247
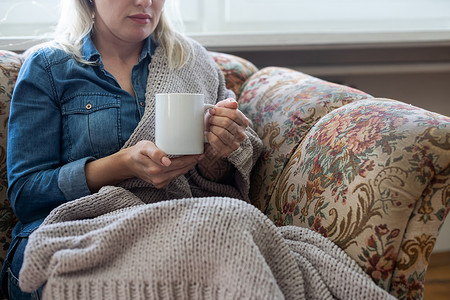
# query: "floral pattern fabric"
235 69
284 105
356 177
370 174
9 69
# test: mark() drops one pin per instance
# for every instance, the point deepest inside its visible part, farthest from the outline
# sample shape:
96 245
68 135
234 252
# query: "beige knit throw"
128 243
194 248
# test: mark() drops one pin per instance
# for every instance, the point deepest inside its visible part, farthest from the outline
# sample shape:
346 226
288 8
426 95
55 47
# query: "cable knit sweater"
124 242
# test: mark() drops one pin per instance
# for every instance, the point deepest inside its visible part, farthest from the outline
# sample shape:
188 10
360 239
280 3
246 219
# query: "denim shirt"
63 115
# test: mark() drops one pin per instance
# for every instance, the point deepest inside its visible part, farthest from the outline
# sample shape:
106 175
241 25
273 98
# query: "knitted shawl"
125 242
200 75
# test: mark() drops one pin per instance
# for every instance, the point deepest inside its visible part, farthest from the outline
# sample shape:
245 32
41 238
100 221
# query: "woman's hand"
226 127
143 160
150 164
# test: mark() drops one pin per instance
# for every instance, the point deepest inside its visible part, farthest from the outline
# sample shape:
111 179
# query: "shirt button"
88 106
142 103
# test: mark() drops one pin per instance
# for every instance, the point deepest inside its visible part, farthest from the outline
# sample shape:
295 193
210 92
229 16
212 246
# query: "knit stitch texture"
194 248
200 75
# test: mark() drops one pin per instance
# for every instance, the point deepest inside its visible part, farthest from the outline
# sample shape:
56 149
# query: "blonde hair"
76 22
177 48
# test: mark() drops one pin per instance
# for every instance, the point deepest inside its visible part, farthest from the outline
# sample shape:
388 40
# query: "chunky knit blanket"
193 248
134 242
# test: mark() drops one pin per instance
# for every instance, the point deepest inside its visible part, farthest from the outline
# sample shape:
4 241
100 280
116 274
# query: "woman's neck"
116 50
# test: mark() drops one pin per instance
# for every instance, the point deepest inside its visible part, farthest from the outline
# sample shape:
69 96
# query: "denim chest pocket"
91 125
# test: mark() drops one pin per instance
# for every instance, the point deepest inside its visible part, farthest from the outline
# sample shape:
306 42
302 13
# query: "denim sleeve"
38 181
72 179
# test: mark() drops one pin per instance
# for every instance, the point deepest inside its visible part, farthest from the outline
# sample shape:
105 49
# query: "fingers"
179 166
169 174
227 125
227 136
230 126
233 114
228 103
152 165
182 162
150 150
222 149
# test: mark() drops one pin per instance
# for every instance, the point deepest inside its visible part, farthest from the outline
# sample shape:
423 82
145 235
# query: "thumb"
157 155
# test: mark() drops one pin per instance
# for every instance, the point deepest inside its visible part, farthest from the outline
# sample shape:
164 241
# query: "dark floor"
437 278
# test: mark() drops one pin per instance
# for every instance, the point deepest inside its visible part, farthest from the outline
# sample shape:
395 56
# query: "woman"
78 101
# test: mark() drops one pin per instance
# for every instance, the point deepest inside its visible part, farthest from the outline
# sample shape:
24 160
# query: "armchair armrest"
283 105
370 174
373 176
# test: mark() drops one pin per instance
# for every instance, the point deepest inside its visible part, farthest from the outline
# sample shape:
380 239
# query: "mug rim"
180 94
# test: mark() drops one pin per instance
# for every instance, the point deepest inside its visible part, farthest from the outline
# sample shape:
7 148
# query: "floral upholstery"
9 69
370 174
235 69
283 105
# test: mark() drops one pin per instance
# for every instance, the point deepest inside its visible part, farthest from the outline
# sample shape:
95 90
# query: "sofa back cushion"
235 69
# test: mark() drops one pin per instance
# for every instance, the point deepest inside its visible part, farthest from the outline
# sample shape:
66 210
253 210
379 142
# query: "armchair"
371 174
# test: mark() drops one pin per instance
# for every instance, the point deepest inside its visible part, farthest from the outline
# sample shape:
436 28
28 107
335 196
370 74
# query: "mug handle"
206 108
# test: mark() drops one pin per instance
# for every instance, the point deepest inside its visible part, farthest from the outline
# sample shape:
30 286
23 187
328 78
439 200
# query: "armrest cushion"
372 176
283 105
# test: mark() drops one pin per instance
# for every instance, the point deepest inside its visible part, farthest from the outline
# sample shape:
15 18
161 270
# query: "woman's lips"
140 18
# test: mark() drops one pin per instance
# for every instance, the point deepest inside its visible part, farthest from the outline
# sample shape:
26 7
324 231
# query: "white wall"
281 16
30 17
27 17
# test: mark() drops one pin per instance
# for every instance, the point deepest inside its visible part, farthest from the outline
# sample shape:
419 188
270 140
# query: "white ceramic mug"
179 123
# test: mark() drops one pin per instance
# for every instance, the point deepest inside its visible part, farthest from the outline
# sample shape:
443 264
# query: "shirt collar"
90 53
88 49
148 49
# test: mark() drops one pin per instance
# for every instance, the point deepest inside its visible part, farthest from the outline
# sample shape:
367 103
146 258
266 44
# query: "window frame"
215 30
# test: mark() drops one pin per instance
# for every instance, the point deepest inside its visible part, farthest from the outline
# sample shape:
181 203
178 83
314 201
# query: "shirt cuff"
72 179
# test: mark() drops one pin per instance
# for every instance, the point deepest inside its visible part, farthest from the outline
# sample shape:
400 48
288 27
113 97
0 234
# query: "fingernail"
166 161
